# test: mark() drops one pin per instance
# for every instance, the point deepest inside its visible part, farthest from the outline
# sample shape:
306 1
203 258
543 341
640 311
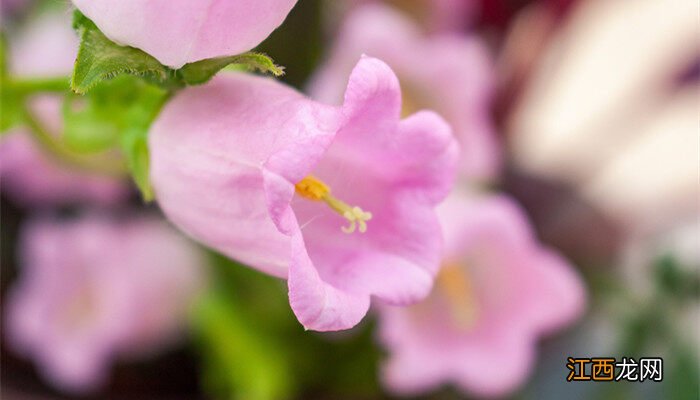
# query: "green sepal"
200 72
101 59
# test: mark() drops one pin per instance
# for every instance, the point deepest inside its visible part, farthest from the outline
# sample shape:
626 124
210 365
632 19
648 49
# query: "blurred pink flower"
433 15
46 49
227 158
177 32
94 289
497 291
448 73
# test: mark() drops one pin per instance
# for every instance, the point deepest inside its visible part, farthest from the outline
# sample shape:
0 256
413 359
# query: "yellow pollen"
455 285
314 189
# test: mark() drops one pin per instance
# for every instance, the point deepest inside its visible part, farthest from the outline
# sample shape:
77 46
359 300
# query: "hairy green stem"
58 84
57 150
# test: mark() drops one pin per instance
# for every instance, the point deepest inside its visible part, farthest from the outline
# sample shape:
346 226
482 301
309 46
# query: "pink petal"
318 305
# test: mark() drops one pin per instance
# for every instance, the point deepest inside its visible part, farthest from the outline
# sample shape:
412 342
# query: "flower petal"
318 305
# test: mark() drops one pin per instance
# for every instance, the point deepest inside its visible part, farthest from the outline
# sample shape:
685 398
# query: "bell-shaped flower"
452 74
177 32
44 49
94 290
498 290
338 200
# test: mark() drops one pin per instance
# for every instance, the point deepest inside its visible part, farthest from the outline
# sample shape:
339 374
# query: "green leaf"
99 58
201 71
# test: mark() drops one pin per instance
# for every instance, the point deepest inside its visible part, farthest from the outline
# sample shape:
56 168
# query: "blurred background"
590 109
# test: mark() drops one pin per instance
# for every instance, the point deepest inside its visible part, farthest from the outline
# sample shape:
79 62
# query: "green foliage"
682 375
245 321
101 59
675 280
243 358
115 113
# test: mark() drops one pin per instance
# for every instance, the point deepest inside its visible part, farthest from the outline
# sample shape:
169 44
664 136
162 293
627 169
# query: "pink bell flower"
497 292
452 74
338 200
177 32
94 290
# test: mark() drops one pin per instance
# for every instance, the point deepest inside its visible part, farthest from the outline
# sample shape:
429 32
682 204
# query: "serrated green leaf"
200 72
99 58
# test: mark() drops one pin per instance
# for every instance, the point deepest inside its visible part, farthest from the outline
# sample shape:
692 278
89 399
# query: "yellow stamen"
314 189
454 284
